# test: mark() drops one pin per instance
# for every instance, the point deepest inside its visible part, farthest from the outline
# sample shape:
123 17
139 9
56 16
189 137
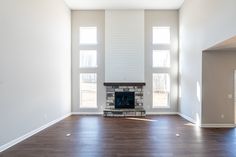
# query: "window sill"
88 107
161 107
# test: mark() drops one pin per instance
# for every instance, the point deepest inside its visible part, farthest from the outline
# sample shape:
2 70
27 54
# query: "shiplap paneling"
124 50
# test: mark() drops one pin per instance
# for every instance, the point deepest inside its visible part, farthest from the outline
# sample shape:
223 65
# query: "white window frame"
161 70
169 58
87 70
85 67
96 104
168 101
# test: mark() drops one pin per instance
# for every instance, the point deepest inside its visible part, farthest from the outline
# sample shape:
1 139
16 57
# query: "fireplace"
115 92
124 100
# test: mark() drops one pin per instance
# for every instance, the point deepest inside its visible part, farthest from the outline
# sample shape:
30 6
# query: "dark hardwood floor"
95 136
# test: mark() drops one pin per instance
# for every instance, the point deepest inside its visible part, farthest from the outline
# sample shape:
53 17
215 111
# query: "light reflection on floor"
142 119
190 124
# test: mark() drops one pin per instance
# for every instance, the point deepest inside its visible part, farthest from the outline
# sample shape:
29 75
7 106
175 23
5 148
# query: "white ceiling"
123 4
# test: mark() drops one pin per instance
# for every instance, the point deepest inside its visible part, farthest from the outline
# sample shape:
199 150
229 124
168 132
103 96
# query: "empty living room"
117 78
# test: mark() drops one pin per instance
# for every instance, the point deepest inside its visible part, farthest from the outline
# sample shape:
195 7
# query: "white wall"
202 25
124 48
34 65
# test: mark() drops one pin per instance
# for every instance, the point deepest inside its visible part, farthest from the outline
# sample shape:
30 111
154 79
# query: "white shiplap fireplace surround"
124 59
124 48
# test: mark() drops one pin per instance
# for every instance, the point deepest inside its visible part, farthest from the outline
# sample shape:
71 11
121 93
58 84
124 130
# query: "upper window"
88 58
161 35
88 35
161 58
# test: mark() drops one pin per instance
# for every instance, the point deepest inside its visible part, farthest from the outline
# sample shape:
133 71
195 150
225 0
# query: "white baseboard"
161 113
22 138
207 125
218 125
101 113
87 113
187 118
147 113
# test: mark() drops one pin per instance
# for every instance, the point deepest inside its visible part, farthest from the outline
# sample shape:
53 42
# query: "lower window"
161 90
88 90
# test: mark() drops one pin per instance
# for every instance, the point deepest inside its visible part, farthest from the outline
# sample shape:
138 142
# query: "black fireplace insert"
124 100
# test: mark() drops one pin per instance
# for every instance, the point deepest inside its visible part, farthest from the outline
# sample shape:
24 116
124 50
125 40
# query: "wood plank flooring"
153 136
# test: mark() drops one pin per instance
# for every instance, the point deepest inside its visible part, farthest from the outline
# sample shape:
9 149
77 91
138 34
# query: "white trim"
87 113
187 118
31 133
161 113
207 125
147 113
234 98
160 107
218 125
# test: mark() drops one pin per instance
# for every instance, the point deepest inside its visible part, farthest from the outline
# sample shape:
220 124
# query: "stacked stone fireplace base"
112 88
139 112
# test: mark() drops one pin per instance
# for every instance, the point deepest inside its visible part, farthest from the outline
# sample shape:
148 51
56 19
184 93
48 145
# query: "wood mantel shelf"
124 83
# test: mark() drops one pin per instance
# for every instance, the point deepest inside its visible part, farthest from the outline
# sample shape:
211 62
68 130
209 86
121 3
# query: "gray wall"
97 18
86 19
217 86
161 18
34 65
202 25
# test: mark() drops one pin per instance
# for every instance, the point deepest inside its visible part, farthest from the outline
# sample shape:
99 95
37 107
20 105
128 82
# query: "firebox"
124 100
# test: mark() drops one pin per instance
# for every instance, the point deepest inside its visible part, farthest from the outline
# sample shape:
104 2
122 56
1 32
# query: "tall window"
161 58
161 35
88 35
161 89
88 64
161 63
88 58
88 90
